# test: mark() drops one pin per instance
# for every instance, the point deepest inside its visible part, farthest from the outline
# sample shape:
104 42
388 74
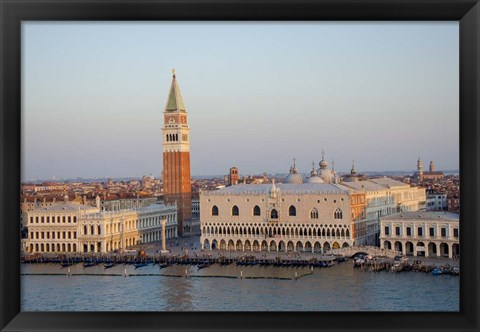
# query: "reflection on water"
220 288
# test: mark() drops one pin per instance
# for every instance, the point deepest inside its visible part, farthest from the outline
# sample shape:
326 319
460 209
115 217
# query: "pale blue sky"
257 95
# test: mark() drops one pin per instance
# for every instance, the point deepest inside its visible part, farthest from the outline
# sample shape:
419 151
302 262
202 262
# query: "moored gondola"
89 264
163 265
66 264
140 264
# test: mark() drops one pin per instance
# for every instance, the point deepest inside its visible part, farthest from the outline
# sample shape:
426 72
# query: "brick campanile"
176 157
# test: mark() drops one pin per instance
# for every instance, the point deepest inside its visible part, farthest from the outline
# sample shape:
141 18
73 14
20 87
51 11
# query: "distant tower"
176 156
353 171
420 169
431 167
233 176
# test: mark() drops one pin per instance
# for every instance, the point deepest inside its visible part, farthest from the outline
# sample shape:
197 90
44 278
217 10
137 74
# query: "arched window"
314 214
338 214
214 210
235 210
256 210
274 214
292 211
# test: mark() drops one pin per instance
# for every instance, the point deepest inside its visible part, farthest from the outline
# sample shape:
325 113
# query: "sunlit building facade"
421 233
72 228
309 217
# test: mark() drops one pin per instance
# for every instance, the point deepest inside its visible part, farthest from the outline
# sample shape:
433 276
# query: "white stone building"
421 233
54 228
379 202
384 197
405 197
437 202
309 217
196 208
69 228
107 231
126 203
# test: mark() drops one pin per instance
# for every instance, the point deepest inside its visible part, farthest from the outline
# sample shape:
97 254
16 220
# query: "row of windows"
53 248
292 212
129 225
92 230
431 231
53 235
52 219
172 137
355 199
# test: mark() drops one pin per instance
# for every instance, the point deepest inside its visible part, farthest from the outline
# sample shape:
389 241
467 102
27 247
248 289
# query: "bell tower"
176 157
420 169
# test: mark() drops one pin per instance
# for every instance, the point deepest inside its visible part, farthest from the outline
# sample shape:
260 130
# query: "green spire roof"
175 101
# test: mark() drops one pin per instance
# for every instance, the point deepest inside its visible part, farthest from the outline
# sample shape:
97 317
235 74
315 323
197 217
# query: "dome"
323 164
315 179
294 178
326 175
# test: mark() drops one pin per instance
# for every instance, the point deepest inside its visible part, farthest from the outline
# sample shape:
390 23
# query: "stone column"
164 235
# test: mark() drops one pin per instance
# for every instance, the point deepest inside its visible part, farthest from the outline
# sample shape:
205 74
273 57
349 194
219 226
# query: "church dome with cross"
293 177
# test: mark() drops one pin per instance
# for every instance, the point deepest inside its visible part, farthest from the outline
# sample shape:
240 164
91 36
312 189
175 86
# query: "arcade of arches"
279 237
424 248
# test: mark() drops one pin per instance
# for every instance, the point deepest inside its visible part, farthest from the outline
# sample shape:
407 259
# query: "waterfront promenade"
188 251
190 247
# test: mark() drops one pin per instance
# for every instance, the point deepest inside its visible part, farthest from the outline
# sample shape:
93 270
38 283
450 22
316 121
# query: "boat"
138 265
89 264
66 264
436 271
358 262
108 265
203 265
341 259
163 265
397 267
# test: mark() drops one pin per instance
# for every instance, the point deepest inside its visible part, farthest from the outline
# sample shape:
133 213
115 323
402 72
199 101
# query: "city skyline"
257 96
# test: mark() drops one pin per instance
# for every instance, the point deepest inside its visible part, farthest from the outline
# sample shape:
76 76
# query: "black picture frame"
467 12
